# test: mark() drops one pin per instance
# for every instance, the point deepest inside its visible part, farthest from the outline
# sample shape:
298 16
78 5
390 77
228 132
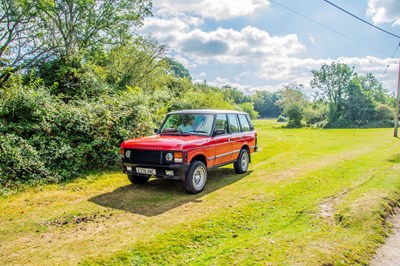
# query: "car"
188 144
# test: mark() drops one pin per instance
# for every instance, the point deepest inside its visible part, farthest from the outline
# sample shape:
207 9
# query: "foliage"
235 95
66 32
16 33
293 101
19 161
359 105
265 103
332 81
136 64
178 69
65 139
352 100
249 108
205 98
315 114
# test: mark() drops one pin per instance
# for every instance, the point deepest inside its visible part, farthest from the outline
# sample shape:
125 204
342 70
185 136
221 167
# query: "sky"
255 45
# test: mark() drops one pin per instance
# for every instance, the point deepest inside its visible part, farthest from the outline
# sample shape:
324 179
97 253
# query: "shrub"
384 112
294 114
47 139
19 161
281 119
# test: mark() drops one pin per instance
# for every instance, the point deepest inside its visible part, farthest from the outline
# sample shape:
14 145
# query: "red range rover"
188 144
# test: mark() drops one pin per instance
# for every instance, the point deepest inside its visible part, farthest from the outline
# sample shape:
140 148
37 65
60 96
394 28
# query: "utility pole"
396 119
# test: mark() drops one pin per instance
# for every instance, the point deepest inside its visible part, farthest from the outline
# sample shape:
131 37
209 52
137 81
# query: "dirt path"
389 253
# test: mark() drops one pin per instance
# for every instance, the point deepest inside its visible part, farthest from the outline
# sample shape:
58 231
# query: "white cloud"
221 45
384 11
250 58
218 10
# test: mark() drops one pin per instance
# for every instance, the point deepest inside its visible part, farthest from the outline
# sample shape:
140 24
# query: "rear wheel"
135 179
242 163
196 177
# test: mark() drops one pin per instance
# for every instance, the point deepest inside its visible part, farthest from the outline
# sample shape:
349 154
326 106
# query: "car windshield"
185 124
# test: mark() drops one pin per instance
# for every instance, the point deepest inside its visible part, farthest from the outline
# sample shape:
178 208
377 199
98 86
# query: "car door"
249 136
223 145
236 135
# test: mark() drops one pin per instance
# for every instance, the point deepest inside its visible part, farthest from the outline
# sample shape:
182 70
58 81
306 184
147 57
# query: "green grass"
311 197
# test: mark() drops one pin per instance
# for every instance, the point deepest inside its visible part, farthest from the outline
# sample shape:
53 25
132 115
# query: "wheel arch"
199 157
246 147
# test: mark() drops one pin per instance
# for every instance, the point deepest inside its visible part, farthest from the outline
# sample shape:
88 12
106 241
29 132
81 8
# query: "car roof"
207 111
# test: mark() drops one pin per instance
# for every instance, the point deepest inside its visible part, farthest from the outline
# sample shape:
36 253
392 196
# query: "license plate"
146 171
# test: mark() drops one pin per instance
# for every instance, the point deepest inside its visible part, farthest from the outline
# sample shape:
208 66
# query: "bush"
47 139
294 114
384 112
19 161
281 119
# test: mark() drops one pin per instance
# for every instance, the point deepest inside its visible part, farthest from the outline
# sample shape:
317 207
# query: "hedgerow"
45 139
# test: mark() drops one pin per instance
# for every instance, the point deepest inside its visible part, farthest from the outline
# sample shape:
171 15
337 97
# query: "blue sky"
264 45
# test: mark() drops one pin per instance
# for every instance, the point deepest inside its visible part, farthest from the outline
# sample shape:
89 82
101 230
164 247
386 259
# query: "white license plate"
146 171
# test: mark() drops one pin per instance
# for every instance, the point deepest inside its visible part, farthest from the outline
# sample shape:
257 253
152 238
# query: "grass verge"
310 197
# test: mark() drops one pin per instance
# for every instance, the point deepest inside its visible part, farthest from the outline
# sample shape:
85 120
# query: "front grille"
145 157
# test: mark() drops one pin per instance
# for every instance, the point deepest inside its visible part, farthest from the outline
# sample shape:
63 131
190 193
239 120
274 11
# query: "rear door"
236 135
249 136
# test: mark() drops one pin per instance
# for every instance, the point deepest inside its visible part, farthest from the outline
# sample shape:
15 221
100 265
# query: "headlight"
128 154
169 157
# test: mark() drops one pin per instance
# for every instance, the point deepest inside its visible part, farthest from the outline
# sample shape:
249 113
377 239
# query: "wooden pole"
396 120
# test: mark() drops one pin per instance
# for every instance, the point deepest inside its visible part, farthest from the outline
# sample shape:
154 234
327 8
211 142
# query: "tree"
137 63
178 69
359 107
293 102
17 29
332 82
235 95
265 104
65 31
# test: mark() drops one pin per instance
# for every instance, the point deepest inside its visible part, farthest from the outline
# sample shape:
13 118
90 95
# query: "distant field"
311 197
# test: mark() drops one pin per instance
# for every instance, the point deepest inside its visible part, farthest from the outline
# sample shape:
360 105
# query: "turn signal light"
178 157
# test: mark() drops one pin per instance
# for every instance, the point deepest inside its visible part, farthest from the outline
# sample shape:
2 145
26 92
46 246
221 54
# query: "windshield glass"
188 124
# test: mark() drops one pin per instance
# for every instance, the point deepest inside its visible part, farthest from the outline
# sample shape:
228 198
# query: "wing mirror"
219 132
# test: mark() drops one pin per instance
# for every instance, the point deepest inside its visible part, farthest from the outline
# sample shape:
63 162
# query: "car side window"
221 123
244 123
233 123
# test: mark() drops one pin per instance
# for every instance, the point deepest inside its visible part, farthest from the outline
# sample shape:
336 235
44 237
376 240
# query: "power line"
397 47
372 25
322 25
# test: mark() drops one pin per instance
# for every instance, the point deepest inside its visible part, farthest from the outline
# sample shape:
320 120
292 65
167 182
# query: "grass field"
311 197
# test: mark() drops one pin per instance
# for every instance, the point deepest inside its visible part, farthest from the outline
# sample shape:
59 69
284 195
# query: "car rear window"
244 123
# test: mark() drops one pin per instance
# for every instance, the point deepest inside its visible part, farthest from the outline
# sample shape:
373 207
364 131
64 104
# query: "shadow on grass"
159 196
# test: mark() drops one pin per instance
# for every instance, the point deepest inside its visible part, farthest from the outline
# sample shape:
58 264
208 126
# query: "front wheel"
242 163
135 179
196 177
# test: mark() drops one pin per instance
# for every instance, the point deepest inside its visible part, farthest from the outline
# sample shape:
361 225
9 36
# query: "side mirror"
219 132
156 130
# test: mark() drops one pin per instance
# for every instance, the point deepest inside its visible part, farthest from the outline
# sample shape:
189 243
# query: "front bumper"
162 171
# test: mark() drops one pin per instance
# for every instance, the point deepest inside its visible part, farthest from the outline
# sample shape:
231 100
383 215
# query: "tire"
138 179
242 163
196 177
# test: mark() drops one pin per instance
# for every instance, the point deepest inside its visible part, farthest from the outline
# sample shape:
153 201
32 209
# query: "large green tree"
265 104
66 31
332 82
359 105
137 63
